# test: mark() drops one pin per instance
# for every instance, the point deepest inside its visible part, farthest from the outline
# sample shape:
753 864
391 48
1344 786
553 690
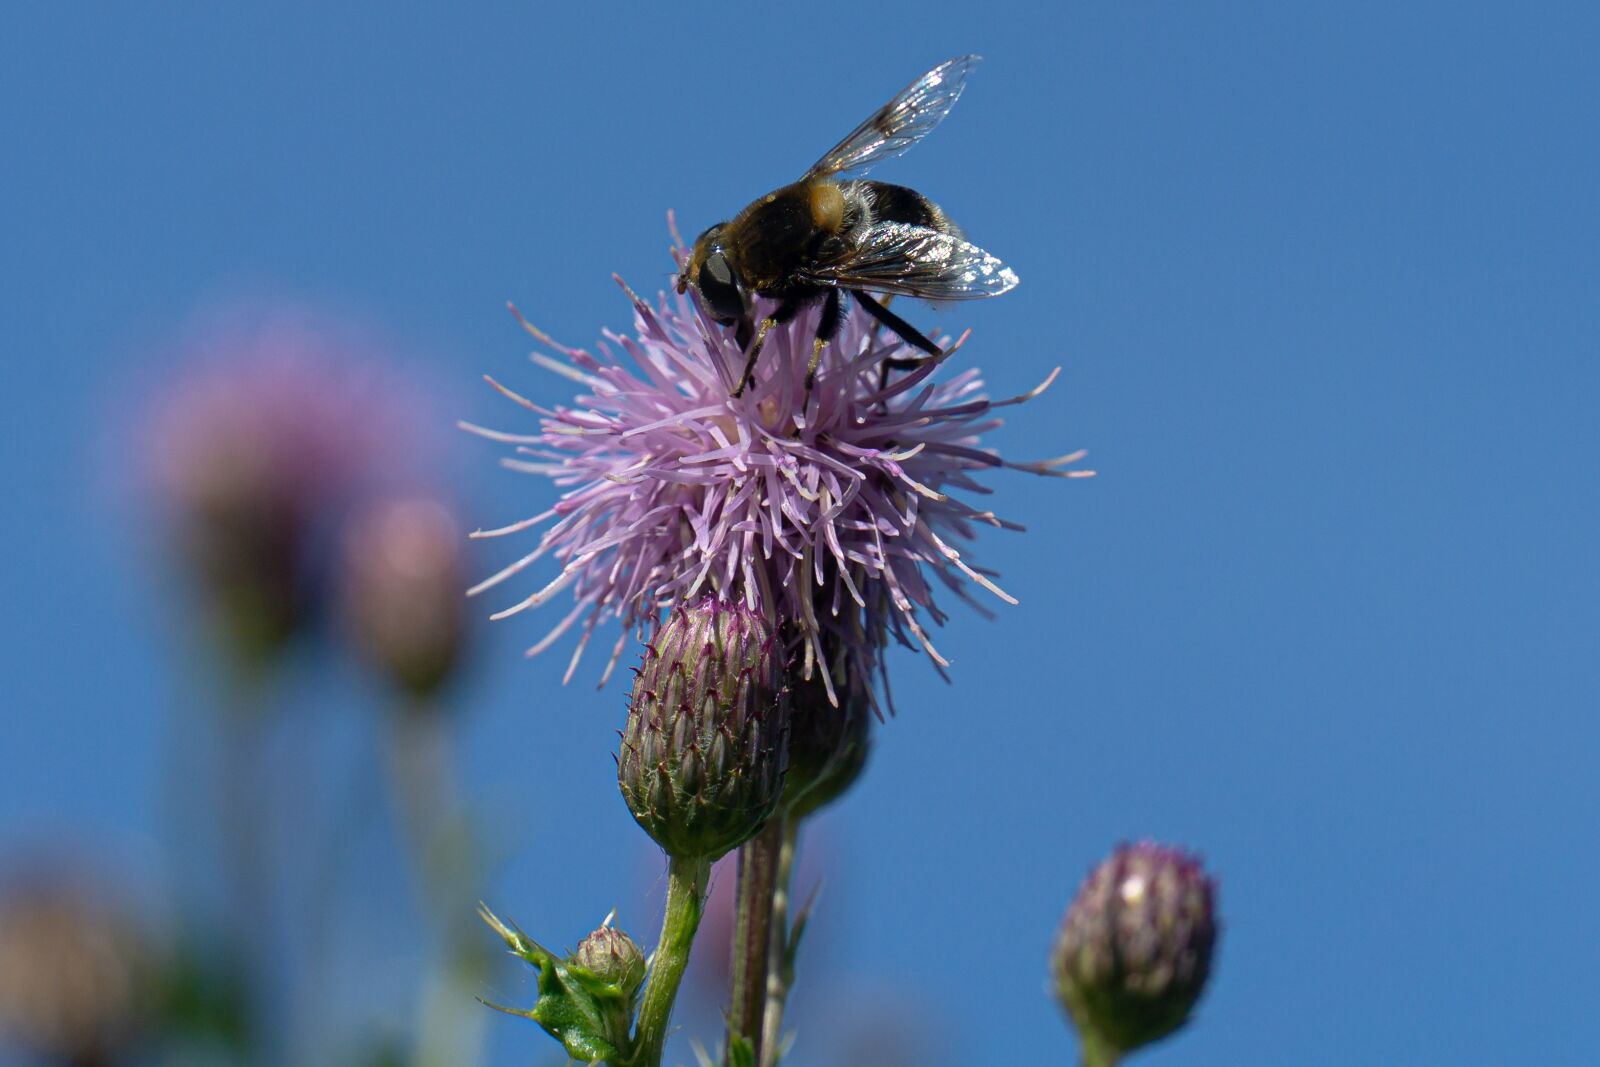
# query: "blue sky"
1323 285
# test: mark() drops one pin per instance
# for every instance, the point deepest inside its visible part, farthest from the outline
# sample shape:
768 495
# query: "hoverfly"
817 238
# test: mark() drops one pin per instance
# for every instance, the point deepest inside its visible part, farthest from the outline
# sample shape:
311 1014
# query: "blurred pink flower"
282 409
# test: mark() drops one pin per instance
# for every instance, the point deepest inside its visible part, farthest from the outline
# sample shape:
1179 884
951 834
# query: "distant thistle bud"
706 744
613 957
828 745
402 590
1135 948
73 973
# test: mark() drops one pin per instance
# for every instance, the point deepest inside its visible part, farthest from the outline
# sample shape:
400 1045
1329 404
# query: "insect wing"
896 257
900 123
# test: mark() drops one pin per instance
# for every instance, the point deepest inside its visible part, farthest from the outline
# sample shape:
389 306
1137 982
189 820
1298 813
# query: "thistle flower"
1135 947
704 751
839 519
402 589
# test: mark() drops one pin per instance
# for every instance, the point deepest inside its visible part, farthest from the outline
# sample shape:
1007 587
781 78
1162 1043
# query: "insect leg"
877 324
783 313
906 332
902 329
827 326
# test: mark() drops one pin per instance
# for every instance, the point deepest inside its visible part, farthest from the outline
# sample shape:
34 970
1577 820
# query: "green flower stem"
246 827
752 933
1096 1052
686 898
446 866
780 965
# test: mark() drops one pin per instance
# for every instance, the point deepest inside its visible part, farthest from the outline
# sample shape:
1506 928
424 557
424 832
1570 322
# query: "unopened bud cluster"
706 744
1135 948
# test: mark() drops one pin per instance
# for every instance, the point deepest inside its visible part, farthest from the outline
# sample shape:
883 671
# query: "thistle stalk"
686 889
1098 1053
245 828
753 934
445 864
780 964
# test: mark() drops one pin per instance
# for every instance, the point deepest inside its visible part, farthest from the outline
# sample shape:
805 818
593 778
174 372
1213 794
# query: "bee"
818 238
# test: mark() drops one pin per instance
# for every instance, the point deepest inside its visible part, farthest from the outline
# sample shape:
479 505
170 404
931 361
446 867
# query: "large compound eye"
720 287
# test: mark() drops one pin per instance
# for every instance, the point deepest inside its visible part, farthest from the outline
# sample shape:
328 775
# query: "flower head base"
706 744
1135 948
838 517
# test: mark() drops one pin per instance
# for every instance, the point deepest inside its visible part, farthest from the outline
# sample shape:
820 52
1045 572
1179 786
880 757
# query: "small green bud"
613 957
706 743
828 745
586 1001
1135 947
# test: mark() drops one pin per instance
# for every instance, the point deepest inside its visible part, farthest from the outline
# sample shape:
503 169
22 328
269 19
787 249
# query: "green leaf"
798 929
589 1016
199 998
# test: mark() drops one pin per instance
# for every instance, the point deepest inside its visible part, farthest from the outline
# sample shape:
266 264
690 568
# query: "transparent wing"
897 257
900 123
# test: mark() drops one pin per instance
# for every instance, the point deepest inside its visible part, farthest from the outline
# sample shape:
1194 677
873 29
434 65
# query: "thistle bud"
586 1000
401 594
1135 947
828 745
613 957
706 744
73 981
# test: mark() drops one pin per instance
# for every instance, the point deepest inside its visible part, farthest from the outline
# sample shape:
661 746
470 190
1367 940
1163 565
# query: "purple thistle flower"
837 521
